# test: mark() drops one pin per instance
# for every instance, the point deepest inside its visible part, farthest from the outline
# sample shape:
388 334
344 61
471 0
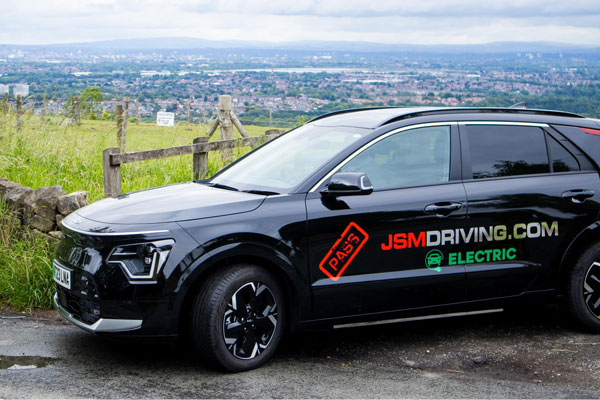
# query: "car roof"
376 117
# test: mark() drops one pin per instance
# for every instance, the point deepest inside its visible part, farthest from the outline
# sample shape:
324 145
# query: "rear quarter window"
562 160
585 146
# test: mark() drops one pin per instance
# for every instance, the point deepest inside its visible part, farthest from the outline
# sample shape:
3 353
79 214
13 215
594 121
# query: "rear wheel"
238 318
584 289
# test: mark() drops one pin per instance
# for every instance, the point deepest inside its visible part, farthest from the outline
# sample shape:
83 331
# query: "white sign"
21 89
165 118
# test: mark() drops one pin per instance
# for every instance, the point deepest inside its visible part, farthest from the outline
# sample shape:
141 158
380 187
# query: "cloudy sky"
385 21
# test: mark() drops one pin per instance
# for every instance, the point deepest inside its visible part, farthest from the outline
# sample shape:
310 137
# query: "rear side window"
562 160
507 150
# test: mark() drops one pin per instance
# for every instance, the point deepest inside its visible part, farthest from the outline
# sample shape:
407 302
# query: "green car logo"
433 260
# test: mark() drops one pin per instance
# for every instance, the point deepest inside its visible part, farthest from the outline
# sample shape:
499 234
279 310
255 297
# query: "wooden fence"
113 157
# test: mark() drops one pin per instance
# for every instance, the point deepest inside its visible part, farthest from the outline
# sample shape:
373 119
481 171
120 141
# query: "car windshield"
285 162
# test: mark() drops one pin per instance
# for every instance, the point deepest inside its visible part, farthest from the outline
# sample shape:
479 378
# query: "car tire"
583 290
238 318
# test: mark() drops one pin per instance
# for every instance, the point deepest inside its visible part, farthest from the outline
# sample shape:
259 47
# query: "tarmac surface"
533 354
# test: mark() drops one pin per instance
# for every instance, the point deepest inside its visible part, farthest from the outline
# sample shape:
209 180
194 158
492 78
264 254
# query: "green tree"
91 98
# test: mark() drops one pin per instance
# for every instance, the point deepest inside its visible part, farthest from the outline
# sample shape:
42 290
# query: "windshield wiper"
221 186
263 192
227 187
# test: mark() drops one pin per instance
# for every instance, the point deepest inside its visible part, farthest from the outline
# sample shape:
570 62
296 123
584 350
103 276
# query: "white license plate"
62 276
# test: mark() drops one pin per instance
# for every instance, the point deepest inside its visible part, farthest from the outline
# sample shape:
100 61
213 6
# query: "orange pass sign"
343 251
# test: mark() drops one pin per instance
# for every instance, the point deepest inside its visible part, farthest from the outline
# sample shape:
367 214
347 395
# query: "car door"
389 250
529 193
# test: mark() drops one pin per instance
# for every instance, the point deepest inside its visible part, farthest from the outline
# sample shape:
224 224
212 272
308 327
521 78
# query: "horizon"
283 42
326 46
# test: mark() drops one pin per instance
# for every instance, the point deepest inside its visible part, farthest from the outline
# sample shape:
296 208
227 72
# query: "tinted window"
562 160
410 158
507 150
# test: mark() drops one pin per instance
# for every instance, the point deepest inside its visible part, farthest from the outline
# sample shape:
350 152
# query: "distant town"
281 87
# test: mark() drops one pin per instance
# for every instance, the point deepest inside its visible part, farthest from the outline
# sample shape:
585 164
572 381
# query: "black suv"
357 216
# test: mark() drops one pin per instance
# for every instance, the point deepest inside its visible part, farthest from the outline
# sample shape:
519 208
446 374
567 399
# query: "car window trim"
372 142
548 152
509 123
545 174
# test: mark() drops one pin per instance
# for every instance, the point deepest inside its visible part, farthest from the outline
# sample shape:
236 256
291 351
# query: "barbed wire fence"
45 107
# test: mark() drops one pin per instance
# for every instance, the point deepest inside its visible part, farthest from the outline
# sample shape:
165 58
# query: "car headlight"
142 261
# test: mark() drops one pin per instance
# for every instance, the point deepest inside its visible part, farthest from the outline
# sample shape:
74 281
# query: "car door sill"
421 318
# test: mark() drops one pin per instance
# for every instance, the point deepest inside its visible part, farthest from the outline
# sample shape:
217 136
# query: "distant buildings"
287 82
19 89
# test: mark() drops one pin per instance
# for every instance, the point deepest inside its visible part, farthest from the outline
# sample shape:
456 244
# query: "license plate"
62 276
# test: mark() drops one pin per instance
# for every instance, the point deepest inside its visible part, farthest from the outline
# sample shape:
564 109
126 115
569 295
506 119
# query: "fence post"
19 113
5 110
226 125
125 117
43 111
120 134
189 110
75 111
112 174
200 160
238 125
78 111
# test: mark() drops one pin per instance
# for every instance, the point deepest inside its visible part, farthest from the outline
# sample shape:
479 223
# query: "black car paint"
157 206
289 234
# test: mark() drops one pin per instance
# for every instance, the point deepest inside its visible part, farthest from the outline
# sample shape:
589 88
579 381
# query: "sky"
383 21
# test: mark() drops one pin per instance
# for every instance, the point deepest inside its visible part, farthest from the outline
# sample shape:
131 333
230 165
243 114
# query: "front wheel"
238 318
584 289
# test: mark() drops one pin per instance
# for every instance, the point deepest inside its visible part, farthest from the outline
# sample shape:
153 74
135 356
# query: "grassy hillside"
48 154
25 266
71 156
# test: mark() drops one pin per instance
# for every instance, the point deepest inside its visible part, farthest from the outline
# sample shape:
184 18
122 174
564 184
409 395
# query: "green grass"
25 266
71 156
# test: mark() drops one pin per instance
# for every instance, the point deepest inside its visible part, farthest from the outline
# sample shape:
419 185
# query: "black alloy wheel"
583 289
250 320
238 318
591 289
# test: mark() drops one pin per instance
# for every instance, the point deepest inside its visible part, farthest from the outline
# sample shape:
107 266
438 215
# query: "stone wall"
43 209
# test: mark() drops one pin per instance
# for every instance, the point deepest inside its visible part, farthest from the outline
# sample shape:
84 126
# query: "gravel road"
533 354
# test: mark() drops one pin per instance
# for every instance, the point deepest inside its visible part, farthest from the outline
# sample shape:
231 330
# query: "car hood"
180 202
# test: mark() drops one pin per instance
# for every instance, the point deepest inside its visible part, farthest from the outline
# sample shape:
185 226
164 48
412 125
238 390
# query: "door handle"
578 195
442 209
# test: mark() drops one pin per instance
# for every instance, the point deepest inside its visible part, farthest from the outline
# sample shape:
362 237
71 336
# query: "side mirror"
348 184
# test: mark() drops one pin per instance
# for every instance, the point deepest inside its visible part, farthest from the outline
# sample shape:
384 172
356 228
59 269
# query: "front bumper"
102 298
102 324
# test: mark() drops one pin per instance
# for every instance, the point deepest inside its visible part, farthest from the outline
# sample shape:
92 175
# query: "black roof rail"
519 105
457 110
347 110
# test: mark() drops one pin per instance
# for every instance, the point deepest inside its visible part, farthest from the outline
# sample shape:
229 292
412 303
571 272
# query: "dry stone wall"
43 209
